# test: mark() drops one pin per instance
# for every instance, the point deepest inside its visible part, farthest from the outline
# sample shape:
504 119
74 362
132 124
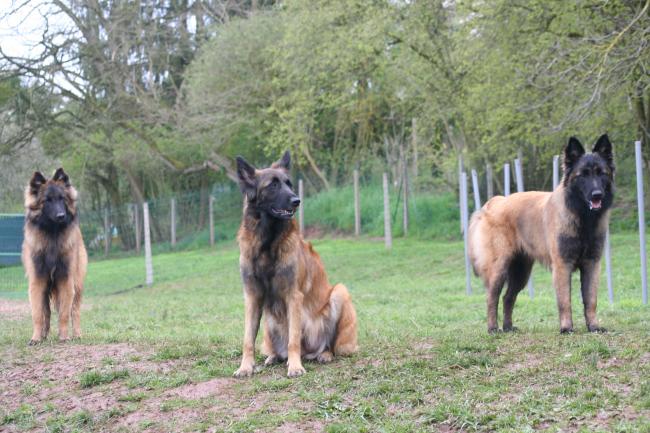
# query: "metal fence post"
477 193
405 202
357 205
556 171
138 235
641 202
519 176
388 236
173 222
506 179
107 232
489 181
465 223
211 218
148 264
460 191
301 208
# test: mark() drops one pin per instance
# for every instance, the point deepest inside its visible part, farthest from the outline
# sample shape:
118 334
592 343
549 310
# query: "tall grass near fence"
431 215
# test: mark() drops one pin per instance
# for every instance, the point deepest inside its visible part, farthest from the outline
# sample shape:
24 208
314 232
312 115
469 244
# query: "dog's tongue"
594 204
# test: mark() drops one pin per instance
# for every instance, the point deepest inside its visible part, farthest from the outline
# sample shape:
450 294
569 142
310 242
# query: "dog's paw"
493 331
295 371
566 330
270 360
325 357
244 371
597 329
64 340
33 342
510 329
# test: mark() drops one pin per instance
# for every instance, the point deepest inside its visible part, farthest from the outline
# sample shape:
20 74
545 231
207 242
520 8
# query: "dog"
564 230
304 316
53 254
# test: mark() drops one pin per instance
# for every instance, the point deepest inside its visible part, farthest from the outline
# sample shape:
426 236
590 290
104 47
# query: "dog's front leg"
589 280
66 294
252 316
295 335
37 299
562 284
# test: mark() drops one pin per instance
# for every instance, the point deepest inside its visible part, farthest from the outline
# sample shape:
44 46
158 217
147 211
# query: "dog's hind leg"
274 345
493 293
76 313
346 326
518 274
494 284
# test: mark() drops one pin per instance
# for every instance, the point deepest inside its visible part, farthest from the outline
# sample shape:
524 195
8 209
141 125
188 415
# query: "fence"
397 204
393 205
464 215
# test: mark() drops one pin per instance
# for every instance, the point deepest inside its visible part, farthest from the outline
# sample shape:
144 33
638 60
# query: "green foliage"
93 378
431 216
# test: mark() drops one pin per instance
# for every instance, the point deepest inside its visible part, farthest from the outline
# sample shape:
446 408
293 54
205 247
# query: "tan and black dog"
564 230
54 255
304 316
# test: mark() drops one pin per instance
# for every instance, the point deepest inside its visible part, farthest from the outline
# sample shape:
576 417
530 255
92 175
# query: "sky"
22 23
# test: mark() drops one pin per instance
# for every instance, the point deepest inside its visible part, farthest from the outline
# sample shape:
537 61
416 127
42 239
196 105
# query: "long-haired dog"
304 316
53 254
564 229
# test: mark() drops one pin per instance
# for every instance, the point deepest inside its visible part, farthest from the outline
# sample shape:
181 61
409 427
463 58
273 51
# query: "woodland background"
140 100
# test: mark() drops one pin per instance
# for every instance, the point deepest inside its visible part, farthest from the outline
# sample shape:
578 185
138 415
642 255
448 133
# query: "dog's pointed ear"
284 162
603 147
246 175
61 176
572 153
36 182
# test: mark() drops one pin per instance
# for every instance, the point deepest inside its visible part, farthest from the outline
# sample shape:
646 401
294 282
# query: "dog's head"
589 177
269 190
51 204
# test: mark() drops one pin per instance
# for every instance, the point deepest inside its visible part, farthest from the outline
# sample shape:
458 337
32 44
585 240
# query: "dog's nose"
295 201
60 216
596 194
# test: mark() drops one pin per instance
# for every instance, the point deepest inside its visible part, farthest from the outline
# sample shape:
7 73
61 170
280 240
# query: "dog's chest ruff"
264 271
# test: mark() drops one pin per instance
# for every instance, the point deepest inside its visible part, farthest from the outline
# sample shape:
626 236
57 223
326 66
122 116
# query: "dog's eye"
274 183
585 172
288 182
598 171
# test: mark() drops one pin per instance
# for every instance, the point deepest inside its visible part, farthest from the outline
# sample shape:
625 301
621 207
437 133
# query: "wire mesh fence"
183 222
118 232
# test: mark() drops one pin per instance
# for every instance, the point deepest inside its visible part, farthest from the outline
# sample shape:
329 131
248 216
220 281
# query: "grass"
162 356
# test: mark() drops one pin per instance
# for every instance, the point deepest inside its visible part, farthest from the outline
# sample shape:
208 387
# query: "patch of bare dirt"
527 361
196 391
301 426
50 374
14 310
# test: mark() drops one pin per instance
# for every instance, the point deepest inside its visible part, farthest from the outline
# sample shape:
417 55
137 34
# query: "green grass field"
161 358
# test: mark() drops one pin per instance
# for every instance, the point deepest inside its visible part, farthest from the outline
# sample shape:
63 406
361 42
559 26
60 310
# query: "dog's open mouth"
285 213
595 204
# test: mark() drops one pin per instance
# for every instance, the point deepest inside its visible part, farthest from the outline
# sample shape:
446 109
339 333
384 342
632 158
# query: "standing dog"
564 229
305 317
53 254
